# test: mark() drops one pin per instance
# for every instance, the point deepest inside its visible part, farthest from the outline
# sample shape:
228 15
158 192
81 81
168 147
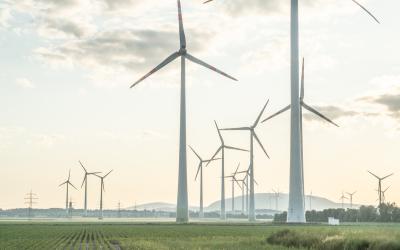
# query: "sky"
66 67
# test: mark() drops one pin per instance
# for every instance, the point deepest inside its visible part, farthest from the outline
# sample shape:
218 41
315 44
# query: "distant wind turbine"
182 201
234 181
101 192
200 170
253 136
296 210
380 179
222 150
342 198
67 183
351 195
384 194
246 183
85 179
277 196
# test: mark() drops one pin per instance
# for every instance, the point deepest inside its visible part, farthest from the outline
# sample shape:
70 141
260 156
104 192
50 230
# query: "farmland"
42 235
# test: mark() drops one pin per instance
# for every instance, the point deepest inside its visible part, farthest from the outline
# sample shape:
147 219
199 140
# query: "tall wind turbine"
67 183
351 195
380 179
296 210
296 192
101 192
182 214
222 150
234 181
85 179
200 170
253 136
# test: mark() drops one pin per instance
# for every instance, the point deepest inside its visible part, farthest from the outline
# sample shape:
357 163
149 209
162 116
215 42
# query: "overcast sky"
66 68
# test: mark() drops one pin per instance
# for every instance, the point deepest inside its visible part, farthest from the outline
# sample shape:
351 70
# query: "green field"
36 235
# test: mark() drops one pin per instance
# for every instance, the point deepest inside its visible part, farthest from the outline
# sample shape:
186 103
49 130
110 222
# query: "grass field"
21 235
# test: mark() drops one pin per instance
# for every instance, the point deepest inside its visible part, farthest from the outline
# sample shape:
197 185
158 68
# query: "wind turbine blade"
302 82
260 115
236 171
216 159
374 175
207 1
69 175
198 61
235 129
84 179
255 182
239 149
160 66
182 36
219 133
386 190
62 183
198 170
365 9
84 169
312 110
213 157
387 176
259 143
108 174
198 156
72 185
277 113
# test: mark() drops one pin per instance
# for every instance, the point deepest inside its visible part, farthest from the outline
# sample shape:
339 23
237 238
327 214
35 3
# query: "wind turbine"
342 198
222 150
182 201
277 196
296 191
101 192
253 136
246 183
234 180
380 179
296 210
86 184
67 183
351 195
200 170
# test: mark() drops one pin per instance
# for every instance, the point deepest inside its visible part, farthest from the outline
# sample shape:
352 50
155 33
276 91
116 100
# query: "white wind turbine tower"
234 180
101 191
85 181
67 183
351 195
222 150
296 193
182 214
296 210
200 170
253 136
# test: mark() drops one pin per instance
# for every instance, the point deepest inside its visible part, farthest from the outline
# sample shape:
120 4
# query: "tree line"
388 212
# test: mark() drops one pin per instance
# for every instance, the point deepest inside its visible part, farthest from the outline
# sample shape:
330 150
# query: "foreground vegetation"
197 236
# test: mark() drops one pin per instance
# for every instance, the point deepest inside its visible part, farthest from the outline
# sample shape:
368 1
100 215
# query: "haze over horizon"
67 67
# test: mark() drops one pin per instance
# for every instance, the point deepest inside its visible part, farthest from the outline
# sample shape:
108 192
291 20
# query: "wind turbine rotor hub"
183 51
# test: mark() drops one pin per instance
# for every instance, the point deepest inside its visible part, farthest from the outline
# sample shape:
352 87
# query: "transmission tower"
30 199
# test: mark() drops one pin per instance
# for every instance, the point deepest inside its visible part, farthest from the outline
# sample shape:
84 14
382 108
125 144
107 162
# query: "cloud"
64 28
390 101
129 50
5 16
24 83
332 112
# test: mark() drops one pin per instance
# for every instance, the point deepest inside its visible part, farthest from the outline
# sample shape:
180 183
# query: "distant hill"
264 201
267 201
